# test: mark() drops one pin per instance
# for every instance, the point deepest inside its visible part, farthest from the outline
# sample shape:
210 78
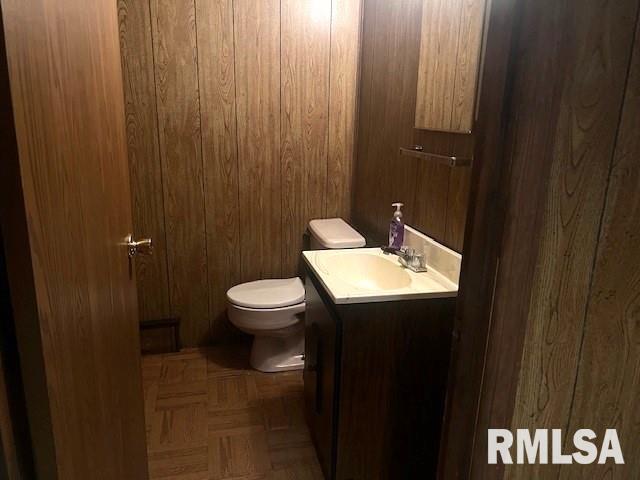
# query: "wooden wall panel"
176 74
457 204
219 151
387 97
533 269
388 85
257 43
573 208
304 92
442 193
145 170
607 392
254 135
343 85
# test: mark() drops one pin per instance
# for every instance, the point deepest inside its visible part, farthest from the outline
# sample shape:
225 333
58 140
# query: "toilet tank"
330 233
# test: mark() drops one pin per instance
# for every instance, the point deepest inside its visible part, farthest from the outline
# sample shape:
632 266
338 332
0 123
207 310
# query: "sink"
369 272
364 275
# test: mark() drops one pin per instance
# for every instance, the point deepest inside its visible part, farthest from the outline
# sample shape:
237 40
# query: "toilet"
271 310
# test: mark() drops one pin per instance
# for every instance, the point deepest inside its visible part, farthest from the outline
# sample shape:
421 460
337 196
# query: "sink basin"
369 272
363 275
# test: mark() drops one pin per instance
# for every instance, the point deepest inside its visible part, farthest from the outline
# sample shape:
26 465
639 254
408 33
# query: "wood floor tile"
278 385
231 392
181 394
302 471
238 455
290 446
238 420
182 464
210 416
178 428
183 368
229 360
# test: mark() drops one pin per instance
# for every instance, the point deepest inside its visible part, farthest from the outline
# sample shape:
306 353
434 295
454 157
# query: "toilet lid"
335 233
267 293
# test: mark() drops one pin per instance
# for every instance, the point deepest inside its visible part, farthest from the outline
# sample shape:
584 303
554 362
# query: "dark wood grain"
481 247
391 49
75 302
304 119
322 347
451 42
257 43
235 191
607 392
538 192
346 28
385 367
394 369
388 82
457 204
573 207
178 103
216 70
145 170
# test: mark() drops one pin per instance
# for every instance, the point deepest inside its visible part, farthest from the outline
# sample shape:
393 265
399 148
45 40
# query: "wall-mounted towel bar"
418 152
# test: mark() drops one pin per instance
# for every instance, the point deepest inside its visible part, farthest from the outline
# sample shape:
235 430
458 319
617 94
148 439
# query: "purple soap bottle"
396 228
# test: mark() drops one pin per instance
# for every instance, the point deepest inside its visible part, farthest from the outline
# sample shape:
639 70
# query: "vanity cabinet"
375 380
448 73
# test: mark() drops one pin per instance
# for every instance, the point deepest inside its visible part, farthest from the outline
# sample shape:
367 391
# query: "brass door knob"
139 247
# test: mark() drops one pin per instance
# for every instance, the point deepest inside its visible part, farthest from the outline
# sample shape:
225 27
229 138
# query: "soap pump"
396 228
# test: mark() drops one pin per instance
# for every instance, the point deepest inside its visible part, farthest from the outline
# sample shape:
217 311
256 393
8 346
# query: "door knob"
139 247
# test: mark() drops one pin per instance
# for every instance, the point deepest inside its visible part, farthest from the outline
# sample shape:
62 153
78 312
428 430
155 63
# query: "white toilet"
271 309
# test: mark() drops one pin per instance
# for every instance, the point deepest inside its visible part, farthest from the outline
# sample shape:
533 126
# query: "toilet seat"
265 319
267 294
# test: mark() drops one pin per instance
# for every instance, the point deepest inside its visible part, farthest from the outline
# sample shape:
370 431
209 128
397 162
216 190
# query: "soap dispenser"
396 228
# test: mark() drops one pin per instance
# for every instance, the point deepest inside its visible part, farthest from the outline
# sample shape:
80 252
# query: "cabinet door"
450 48
319 375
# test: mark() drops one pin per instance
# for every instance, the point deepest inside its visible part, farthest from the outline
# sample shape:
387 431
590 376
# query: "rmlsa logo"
536 450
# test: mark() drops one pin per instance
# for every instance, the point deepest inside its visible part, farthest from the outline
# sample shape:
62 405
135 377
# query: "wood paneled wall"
241 126
548 309
435 196
581 357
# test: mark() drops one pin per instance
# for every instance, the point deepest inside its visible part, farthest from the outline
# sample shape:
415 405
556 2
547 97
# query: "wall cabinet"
374 379
450 50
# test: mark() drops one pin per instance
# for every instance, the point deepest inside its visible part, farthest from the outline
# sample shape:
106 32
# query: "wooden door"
65 211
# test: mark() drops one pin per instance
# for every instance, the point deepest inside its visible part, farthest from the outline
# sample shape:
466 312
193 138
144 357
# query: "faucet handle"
417 260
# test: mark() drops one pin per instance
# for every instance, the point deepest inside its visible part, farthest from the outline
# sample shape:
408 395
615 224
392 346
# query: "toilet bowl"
269 310
272 310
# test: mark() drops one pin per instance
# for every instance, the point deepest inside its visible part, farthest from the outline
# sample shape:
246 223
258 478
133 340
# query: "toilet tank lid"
335 233
267 293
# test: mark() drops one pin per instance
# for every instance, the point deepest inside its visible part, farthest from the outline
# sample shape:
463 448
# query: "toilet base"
278 354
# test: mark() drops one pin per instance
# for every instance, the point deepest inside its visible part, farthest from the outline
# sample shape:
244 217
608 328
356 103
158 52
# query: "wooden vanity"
375 379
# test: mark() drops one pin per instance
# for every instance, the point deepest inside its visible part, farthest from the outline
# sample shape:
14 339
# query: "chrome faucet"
409 258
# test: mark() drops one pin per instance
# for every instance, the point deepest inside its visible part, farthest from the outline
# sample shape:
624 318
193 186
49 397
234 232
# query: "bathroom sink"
365 271
363 275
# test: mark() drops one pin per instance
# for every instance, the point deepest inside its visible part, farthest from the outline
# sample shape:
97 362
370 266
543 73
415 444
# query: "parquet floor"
210 417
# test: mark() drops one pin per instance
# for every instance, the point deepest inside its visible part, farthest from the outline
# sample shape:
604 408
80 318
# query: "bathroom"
315 239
